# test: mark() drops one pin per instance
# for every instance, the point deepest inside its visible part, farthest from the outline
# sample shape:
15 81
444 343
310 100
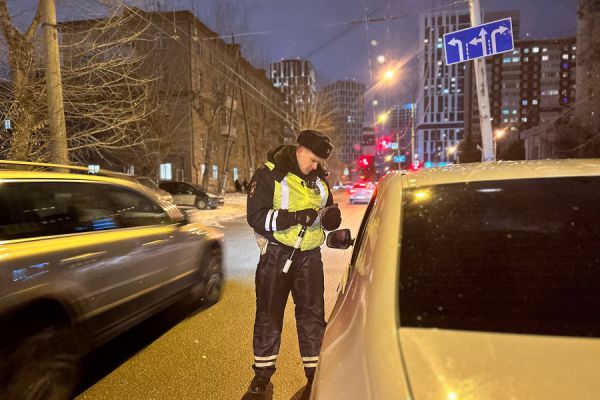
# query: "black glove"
332 219
306 217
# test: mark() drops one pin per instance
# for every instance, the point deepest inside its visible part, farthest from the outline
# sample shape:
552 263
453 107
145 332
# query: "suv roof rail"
74 168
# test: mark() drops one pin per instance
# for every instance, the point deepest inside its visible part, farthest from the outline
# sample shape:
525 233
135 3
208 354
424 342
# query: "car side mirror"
340 239
191 216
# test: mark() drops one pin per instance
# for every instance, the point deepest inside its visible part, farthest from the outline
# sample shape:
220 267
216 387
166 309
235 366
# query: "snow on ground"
234 207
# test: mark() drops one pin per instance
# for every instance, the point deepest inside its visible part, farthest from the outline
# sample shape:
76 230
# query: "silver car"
471 282
82 259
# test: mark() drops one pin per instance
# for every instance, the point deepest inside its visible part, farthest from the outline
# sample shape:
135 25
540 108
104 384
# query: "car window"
359 238
518 256
34 209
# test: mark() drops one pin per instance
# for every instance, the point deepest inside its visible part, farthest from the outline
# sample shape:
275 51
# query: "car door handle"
82 259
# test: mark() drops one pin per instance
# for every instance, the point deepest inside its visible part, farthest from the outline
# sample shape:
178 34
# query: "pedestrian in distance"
245 186
238 186
290 205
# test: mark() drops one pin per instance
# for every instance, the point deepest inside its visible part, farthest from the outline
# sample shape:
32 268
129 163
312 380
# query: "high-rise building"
443 108
440 108
296 80
346 100
529 88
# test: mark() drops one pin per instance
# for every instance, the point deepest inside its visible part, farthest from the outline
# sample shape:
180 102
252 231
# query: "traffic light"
364 161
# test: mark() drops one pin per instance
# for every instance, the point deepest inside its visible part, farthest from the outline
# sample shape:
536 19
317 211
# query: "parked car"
187 194
83 258
471 282
361 192
161 194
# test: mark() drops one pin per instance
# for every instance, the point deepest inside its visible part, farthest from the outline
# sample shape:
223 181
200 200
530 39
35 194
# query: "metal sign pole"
483 99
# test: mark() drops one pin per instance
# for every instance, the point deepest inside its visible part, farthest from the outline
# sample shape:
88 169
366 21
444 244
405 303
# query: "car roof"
490 171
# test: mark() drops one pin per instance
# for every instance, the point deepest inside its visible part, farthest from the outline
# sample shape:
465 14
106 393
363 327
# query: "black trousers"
305 281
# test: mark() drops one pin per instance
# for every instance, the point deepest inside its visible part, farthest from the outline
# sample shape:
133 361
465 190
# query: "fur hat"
316 142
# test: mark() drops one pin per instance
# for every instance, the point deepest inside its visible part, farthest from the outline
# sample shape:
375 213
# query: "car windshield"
519 256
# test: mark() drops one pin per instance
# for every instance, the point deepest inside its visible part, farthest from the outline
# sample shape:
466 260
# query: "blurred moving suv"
473 281
186 194
83 258
361 192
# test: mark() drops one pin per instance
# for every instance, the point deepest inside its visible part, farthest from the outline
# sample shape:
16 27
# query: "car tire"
44 365
209 286
201 204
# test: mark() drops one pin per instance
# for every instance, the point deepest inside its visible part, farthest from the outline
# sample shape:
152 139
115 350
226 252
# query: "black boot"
259 389
306 391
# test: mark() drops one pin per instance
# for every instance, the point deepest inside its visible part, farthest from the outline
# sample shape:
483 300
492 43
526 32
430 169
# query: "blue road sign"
399 159
7 124
479 41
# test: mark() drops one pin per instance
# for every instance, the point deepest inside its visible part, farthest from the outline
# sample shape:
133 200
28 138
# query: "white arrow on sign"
456 42
500 30
475 41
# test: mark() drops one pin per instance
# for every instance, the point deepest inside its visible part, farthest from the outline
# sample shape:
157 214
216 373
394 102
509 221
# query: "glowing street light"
389 74
498 134
381 118
381 59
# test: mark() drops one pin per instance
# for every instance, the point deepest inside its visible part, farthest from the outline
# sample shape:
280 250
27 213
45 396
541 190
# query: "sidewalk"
234 207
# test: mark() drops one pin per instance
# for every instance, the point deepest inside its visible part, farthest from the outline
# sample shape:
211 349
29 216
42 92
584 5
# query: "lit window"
426 41
545 58
516 59
506 111
439 45
524 119
506 60
565 56
166 173
534 102
525 102
514 111
536 50
215 172
525 51
525 59
544 50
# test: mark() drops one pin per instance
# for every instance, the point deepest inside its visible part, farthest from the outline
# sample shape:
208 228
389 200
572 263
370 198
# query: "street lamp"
498 134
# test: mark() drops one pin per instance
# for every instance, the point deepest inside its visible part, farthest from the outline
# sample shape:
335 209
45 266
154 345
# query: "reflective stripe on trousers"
305 281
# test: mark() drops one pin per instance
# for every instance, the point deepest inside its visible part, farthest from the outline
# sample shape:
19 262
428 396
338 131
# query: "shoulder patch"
252 189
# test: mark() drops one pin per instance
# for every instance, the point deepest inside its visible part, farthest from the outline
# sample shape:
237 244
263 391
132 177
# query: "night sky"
297 28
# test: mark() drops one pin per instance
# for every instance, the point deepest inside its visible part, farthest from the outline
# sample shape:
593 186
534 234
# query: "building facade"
346 100
296 80
529 89
440 107
217 112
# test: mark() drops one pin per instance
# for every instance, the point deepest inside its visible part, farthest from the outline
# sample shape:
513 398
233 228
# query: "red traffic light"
364 161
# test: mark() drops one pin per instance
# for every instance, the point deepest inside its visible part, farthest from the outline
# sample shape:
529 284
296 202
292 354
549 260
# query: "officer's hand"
332 219
306 217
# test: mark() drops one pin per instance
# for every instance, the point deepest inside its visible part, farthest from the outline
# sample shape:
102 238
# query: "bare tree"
26 86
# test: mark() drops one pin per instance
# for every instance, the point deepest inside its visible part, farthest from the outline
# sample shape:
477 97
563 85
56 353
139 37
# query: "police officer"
284 196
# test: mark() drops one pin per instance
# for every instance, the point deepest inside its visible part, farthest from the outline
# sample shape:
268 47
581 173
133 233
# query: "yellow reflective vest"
292 194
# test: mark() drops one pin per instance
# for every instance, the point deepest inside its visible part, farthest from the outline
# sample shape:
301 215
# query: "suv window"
518 256
33 209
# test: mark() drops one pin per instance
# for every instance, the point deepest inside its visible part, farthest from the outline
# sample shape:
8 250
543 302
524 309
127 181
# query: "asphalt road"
208 354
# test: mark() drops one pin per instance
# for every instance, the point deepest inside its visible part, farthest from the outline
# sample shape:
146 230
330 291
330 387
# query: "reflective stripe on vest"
291 194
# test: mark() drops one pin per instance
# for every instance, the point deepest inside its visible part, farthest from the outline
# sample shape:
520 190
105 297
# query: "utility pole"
483 98
58 133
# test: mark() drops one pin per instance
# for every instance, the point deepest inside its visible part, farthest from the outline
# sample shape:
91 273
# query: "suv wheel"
201 204
43 366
